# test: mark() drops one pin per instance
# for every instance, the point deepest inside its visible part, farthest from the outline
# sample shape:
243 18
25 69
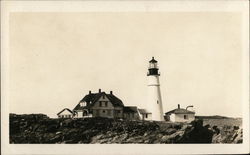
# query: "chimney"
100 90
178 106
90 92
111 92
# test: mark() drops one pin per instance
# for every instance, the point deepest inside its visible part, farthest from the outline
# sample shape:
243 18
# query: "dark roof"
64 110
153 60
144 111
114 100
179 111
130 109
78 107
90 99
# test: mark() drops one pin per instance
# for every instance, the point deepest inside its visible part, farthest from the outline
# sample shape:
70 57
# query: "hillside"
212 117
38 128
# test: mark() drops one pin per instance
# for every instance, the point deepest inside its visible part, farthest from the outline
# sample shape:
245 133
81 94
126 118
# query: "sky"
56 58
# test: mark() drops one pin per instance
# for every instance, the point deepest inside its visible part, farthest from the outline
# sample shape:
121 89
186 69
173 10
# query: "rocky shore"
40 129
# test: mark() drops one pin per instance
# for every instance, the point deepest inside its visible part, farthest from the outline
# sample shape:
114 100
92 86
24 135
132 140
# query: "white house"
180 115
144 114
65 113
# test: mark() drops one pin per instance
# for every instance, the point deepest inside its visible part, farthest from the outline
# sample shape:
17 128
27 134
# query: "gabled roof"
130 109
179 111
114 100
144 111
90 99
64 110
78 107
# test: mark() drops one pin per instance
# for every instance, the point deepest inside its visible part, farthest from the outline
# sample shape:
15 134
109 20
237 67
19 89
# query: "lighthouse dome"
153 60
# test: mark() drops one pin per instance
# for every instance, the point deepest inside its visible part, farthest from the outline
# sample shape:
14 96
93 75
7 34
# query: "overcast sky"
56 58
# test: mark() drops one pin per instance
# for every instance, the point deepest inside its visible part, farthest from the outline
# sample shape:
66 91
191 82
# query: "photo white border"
122 6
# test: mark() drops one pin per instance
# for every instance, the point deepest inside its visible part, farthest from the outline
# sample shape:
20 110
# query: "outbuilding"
144 114
180 115
130 113
65 113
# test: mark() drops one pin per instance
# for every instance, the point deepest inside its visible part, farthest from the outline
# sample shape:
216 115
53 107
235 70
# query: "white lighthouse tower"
154 104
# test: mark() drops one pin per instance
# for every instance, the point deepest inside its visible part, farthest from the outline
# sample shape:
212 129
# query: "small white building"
65 113
144 114
180 115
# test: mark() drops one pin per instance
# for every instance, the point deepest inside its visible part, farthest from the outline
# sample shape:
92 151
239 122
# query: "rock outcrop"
38 128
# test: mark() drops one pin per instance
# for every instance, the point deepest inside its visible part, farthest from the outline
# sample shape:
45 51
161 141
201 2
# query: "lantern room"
153 67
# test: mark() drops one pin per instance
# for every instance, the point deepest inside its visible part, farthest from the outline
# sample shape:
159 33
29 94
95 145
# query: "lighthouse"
154 93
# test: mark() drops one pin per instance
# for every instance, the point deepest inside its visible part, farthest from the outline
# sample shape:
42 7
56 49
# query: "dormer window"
82 104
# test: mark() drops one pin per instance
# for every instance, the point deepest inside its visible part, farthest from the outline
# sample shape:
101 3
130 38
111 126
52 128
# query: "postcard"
125 77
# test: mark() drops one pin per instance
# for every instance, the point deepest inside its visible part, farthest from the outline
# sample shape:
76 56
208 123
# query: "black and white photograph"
96 74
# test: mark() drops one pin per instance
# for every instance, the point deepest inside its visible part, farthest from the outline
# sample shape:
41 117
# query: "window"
100 103
146 116
157 102
118 111
84 113
103 96
103 111
82 104
106 104
185 117
109 112
97 112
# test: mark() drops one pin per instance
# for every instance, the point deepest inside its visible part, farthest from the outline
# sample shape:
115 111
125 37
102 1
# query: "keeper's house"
180 115
106 105
99 105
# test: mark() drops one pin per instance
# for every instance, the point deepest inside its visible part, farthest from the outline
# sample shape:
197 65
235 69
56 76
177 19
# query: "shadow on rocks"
197 133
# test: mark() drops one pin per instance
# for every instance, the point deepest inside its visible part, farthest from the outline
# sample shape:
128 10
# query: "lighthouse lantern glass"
153 65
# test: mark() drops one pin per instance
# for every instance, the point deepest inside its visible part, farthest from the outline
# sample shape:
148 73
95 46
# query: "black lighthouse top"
153 60
153 67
